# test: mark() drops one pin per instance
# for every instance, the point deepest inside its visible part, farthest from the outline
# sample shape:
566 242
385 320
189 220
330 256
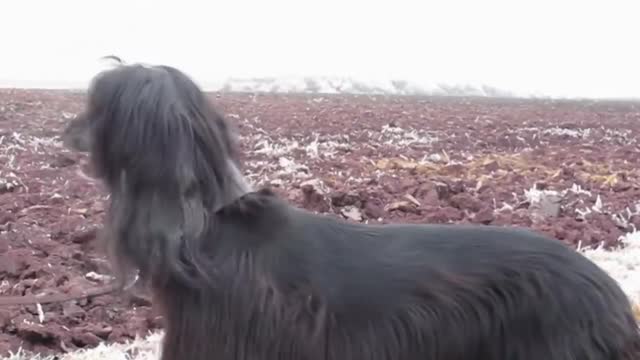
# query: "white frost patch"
281 166
291 167
7 183
574 133
19 142
623 264
15 144
271 148
577 189
622 219
610 135
579 133
316 145
397 136
138 349
534 195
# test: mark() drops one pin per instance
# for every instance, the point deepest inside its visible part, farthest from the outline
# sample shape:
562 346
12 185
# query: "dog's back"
434 291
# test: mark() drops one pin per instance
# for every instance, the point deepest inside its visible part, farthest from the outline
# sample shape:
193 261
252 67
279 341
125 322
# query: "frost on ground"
623 265
139 349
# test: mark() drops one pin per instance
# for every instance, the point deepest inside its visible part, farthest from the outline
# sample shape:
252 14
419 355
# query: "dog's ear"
158 233
77 135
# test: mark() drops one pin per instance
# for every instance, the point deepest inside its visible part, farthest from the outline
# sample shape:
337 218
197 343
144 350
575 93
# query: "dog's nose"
75 136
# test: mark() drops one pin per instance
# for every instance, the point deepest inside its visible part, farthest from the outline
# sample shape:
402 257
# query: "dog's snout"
75 135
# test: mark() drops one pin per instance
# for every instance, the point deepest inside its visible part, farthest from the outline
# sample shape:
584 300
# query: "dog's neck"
238 187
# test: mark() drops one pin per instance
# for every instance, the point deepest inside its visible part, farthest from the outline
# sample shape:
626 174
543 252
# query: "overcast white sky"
558 47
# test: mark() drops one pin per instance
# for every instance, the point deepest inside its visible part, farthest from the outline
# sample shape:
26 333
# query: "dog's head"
76 135
166 156
152 123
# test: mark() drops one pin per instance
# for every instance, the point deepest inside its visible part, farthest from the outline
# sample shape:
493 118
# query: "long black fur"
241 274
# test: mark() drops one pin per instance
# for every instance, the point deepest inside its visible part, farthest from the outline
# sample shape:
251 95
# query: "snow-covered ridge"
314 85
331 85
343 85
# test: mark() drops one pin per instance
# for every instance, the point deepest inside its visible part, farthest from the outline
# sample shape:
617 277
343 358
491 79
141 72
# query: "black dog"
240 274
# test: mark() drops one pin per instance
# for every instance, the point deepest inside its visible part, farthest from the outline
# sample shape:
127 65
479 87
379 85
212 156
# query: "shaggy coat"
242 275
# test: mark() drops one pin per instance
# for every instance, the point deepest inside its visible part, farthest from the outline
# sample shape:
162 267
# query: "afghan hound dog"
240 274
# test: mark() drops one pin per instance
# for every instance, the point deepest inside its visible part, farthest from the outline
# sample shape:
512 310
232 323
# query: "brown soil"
388 159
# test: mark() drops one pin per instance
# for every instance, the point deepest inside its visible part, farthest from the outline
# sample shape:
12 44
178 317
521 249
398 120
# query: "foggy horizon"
567 49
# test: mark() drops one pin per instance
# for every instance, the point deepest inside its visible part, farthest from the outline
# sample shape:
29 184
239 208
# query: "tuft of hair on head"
169 160
118 60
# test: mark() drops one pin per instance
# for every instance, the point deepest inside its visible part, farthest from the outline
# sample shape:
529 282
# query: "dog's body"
306 286
240 274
